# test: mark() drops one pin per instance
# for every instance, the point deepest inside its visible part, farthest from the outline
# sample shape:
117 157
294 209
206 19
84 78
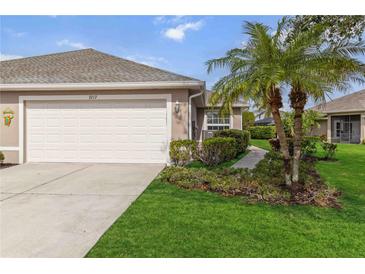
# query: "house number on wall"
93 97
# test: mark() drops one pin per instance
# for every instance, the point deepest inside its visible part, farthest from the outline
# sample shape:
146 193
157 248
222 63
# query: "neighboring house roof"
265 122
348 103
239 103
81 66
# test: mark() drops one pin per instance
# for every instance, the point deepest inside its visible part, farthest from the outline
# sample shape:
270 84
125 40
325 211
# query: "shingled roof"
81 66
352 102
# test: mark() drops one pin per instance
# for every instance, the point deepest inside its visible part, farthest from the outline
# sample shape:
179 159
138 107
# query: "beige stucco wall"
237 118
199 122
9 136
321 130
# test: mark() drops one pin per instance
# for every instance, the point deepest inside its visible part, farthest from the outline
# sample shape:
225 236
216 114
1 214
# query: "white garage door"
128 131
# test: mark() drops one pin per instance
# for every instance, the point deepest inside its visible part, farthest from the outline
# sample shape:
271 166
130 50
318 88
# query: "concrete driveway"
61 210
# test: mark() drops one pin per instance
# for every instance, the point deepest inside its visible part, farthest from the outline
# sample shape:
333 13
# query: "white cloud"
72 44
168 19
177 19
178 33
14 33
4 57
148 60
159 20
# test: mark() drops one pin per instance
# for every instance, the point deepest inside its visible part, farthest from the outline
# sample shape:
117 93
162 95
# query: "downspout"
190 130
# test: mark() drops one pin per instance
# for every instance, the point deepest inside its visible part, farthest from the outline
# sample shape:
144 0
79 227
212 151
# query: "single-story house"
344 119
88 106
267 121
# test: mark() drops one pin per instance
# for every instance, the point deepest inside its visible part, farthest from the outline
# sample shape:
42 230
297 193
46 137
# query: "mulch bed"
263 184
2 166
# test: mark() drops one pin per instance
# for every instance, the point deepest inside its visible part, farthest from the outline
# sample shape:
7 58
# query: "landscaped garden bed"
264 183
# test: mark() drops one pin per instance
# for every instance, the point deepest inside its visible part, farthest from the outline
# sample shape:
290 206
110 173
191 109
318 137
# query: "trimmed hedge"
262 132
216 150
242 137
182 151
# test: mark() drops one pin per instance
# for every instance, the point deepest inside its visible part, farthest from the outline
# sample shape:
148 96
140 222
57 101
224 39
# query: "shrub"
2 157
329 150
323 138
242 137
182 151
309 145
248 119
216 150
275 145
363 141
262 132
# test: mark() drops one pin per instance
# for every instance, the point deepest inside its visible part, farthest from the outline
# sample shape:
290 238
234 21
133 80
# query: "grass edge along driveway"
166 221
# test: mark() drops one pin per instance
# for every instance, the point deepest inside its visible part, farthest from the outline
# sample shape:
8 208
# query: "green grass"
260 143
166 221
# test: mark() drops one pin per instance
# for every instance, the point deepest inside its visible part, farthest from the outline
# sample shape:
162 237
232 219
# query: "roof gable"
81 66
351 102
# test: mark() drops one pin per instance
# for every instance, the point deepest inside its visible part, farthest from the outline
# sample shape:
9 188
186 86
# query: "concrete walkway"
61 210
252 158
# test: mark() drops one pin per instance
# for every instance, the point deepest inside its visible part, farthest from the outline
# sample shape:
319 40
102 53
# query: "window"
216 122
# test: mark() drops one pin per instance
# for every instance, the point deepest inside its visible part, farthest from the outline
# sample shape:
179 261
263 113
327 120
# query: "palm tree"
315 68
256 73
302 61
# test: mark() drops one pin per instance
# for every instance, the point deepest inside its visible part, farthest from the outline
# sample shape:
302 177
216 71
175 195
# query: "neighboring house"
268 121
344 119
88 106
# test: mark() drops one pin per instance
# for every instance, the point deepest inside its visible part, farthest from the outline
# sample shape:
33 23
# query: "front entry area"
346 129
96 131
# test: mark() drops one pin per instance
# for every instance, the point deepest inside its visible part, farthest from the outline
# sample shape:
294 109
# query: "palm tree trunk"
298 99
275 104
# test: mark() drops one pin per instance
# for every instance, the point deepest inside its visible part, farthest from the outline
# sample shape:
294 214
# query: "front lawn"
260 143
166 221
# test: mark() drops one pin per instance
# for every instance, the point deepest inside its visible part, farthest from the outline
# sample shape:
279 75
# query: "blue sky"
180 44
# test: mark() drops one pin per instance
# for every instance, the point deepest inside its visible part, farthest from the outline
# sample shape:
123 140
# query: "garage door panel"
36 139
34 122
99 131
86 122
54 139
70 139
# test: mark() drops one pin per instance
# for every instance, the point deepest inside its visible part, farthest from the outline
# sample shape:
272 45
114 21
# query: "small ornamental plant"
329 150
182 151
2 157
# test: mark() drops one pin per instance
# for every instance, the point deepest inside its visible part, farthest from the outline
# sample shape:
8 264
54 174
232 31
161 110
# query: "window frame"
223 124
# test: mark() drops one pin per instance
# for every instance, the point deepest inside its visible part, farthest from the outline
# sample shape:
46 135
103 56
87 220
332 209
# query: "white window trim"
205 124
23 99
